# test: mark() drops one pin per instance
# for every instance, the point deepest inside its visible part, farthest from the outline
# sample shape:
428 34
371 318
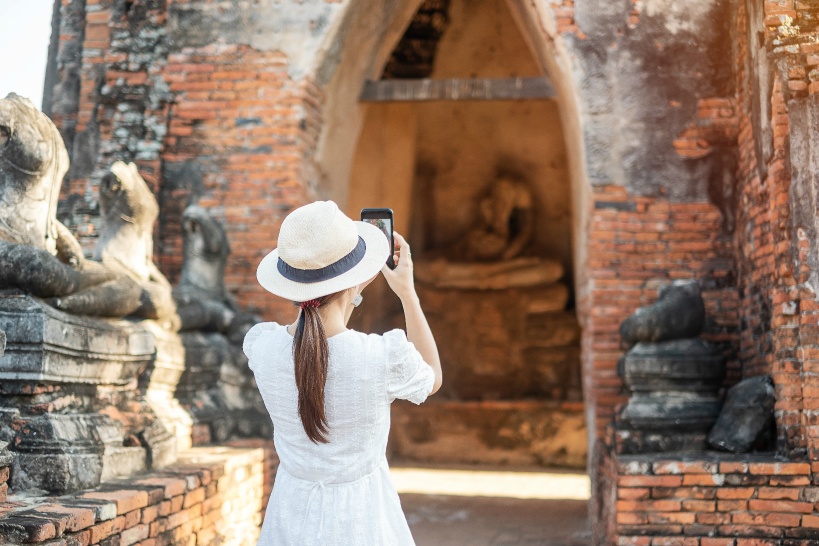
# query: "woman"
328 389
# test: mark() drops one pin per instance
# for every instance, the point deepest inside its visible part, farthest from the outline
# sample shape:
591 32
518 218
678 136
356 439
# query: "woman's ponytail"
311 356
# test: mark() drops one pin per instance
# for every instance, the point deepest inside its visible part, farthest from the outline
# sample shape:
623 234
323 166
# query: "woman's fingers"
402 248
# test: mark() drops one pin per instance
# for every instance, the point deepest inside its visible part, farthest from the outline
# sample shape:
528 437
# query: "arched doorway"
433 163
452 168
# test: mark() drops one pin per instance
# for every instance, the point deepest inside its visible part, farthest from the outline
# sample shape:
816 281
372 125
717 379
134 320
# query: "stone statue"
37 253
506 222
216 387
747 417
678 313
672 375
488 256
202 301
125 246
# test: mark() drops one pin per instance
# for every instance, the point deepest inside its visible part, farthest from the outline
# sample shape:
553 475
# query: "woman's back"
329 397
365 374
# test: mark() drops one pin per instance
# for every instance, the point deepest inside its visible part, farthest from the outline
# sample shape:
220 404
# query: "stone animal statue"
125 246
678 313
202 302
37 253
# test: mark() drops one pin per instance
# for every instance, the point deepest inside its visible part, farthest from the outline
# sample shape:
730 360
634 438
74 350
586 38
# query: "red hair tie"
312 304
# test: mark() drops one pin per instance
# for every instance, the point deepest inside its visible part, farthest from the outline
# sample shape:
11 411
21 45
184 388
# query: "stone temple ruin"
612 207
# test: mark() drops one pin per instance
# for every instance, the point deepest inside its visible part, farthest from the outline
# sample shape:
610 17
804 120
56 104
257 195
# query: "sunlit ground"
489 483
484 507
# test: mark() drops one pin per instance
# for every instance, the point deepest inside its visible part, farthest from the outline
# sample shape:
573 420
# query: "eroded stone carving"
217 387
129 211
673 377
678 313
203 303
505 225
746 417
37 253
81 399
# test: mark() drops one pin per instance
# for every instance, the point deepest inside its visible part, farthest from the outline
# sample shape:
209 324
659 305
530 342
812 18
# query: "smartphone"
382 219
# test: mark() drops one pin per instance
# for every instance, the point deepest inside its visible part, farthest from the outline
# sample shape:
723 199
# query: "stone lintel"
418 90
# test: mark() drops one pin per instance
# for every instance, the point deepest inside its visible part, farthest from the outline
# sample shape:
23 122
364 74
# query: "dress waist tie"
321 487
317 486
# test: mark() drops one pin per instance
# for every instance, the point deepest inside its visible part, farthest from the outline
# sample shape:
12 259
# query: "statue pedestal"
674 398
71 406
219 391
160 382
517 273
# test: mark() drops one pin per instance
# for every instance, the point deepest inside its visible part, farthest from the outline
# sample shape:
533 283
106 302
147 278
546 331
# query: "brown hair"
311 355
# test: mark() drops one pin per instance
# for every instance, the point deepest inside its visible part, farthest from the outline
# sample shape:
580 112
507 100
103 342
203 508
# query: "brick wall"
223 125
714 500
212 495
779 333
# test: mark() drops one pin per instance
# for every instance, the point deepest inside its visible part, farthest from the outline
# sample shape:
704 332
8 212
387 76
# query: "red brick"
650 481
810 521
706 541
780 468
633 493
778 493
780 506
735 492
126 500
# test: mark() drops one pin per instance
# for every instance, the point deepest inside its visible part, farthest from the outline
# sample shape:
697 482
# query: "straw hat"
321 251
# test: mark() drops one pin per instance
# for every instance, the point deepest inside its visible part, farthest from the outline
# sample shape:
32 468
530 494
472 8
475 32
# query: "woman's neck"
334 317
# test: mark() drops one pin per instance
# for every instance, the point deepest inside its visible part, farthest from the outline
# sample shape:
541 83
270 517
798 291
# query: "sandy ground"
477 507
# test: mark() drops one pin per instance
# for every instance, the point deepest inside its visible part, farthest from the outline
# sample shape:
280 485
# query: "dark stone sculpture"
202 302
746 417
216 387
673 378
125 246
678 313
37 253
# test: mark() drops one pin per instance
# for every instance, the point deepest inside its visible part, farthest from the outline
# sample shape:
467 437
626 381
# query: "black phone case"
386 214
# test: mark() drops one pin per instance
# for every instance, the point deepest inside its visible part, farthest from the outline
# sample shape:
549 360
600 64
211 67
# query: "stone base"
493 348
522 433
219 391
85 399
641 441
44 344
212 496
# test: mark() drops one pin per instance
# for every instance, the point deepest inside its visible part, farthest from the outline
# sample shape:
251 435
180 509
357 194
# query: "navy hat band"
325 273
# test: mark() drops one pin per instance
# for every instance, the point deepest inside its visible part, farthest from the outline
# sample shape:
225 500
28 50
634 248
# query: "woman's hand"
400 279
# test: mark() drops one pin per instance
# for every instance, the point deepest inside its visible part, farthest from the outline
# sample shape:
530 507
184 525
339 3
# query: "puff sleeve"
408 376
253 335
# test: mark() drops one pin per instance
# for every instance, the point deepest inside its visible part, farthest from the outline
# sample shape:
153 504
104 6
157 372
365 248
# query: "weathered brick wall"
221 124
775 54
714 500
212 495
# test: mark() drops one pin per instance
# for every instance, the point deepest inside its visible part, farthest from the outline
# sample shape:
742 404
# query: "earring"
357 300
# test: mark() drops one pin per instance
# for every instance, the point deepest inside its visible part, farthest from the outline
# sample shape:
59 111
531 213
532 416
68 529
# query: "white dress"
339 493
